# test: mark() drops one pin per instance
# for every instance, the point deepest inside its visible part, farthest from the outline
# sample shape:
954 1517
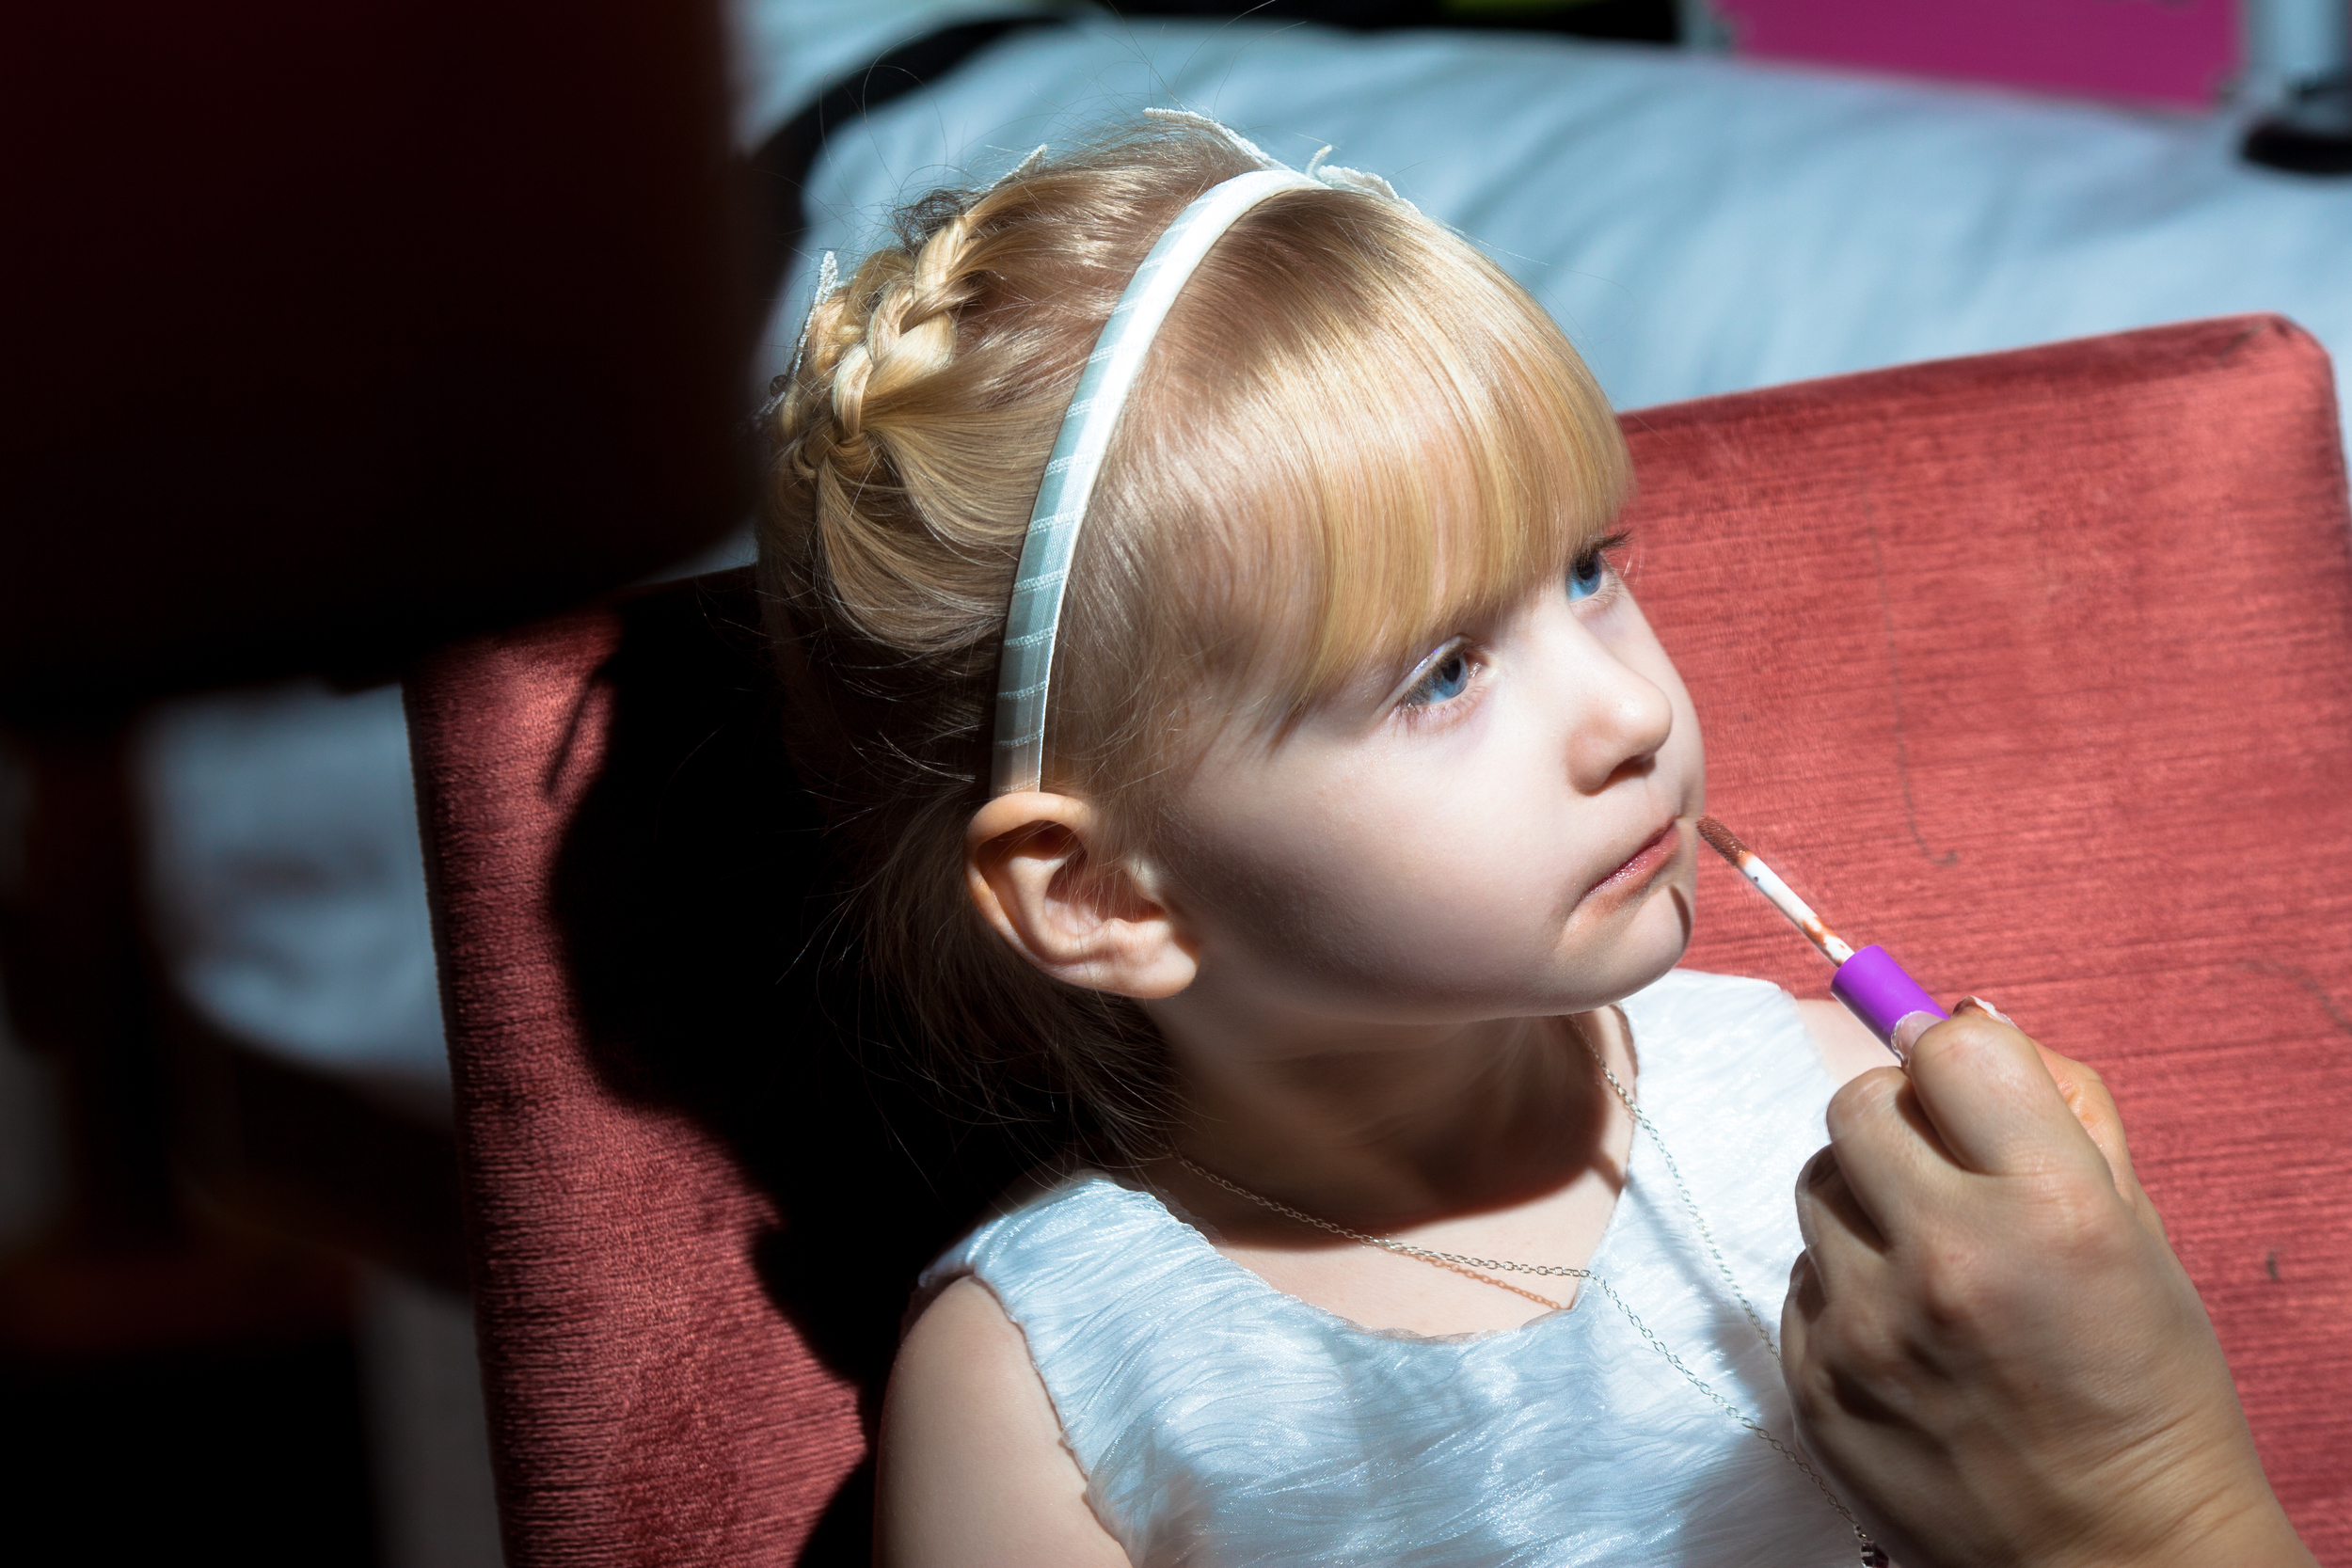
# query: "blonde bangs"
1432 479
1358 435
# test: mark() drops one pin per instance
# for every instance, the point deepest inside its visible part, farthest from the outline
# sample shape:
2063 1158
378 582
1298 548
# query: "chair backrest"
2035 667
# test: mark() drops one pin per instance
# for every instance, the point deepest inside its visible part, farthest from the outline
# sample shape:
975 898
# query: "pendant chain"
1873 1554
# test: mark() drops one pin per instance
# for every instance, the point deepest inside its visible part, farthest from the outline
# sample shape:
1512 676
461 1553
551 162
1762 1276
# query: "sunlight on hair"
1357 434
1352 432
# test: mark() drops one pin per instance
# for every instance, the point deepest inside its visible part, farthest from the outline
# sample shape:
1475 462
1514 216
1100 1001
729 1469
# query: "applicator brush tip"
1723 839
1873 986
1782 896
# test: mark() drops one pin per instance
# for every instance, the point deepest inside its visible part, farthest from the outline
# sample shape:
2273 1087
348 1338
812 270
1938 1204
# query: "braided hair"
907 448
1267 503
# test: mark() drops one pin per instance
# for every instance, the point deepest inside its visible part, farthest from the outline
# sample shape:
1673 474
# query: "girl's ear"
1028 862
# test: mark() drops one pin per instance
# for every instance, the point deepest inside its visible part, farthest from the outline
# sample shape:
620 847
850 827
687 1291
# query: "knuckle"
2076 1221
2064 1232
1861 1100
1856 1337
1812 1391
1956 1291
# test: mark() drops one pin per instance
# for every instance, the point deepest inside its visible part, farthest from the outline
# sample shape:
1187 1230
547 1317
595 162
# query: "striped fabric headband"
1024 674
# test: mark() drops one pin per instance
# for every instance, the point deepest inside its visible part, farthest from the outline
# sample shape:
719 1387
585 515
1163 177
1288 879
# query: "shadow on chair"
2034 667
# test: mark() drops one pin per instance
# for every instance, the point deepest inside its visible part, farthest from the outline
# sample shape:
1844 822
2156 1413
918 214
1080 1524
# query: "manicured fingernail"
1978 1004
1908 1029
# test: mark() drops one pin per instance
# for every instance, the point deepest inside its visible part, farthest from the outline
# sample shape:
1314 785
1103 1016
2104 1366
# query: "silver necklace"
1873 1554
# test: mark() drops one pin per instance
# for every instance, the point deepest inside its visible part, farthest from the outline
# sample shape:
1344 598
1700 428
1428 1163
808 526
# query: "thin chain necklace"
1873 1554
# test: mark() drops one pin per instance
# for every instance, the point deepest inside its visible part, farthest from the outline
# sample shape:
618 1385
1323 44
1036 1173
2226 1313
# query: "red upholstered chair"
2036 668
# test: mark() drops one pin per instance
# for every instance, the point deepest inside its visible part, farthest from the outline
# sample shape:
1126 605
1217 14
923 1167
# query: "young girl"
1318 837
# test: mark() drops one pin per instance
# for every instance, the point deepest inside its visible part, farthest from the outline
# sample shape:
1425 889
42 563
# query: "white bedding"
286 881
1697 225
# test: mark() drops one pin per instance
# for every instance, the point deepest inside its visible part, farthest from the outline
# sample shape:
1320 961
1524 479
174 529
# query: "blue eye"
1444 682
1586 576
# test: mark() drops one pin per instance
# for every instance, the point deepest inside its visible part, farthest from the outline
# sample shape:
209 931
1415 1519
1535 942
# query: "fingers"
1978 1099
2085 1095
1888 1155
2078 1085
1799 1310
1997 1108
1844 1246
1827 1210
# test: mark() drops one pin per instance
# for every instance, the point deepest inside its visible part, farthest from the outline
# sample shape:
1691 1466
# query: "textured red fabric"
2036 668
648 1404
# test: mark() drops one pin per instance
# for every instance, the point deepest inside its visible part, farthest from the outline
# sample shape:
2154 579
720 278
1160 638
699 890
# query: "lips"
1645 863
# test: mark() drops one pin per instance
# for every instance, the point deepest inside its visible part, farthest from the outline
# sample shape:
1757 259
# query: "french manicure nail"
1980 1005
1906 1033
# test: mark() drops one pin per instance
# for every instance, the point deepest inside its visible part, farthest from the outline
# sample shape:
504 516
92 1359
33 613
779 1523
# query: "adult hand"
1988 1341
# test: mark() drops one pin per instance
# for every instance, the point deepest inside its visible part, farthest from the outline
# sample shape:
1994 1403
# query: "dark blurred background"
335 332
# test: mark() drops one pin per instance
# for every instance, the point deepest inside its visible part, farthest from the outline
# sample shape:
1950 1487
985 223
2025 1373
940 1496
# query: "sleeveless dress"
1220 1423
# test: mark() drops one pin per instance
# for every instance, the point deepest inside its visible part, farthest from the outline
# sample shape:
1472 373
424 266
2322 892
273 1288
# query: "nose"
1618 717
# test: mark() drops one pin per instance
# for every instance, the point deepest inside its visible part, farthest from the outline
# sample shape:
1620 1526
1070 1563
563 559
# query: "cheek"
1376 897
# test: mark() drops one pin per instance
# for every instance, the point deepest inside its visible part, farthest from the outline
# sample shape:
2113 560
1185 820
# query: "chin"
1652 944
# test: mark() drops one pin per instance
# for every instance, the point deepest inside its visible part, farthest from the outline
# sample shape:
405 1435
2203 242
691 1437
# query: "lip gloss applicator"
1869 982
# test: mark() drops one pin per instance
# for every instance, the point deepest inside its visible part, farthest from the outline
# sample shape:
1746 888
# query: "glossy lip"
1657 852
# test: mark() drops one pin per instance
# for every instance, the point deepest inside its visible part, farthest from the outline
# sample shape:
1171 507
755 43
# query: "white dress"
1221 1422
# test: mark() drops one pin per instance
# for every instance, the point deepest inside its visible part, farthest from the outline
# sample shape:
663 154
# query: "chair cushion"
2033 667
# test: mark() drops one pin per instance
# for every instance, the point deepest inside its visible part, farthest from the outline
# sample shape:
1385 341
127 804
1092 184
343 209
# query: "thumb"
2085 1095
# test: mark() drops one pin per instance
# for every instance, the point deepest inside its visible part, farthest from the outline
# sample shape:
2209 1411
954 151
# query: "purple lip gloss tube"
1870 983
1875 989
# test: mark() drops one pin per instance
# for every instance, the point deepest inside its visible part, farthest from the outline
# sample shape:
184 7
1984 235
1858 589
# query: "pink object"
2181 53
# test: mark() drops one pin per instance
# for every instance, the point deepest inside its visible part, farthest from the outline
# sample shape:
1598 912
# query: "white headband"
1026 672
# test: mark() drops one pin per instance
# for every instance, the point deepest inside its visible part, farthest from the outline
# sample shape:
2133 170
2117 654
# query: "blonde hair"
1353 433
